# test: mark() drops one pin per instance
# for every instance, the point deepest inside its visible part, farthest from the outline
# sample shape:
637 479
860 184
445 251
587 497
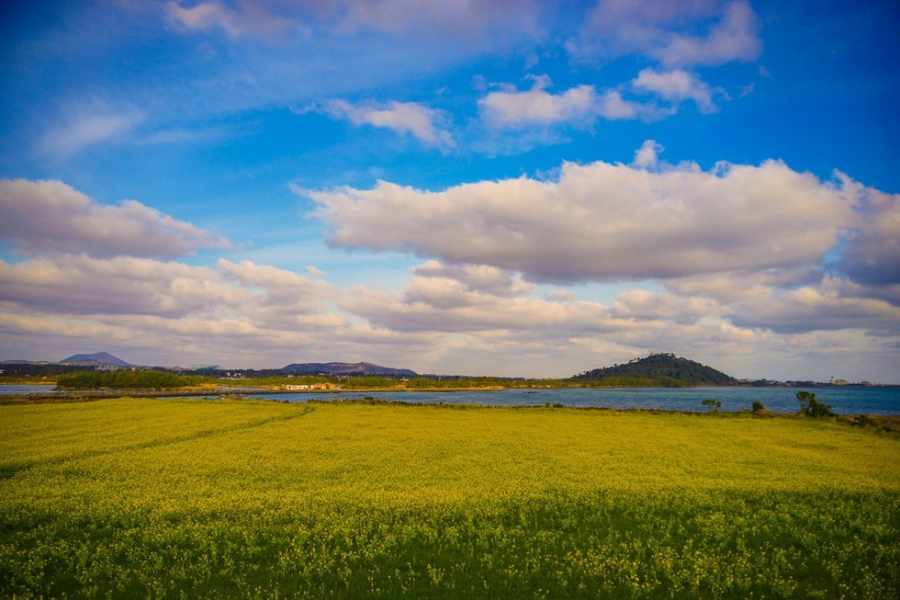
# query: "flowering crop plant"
145 498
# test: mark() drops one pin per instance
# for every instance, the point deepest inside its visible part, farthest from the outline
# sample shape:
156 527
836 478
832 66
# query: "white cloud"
734 37
604 222
483 332
441 298
677 86
448 319
203 16
700 32
421 122
255 19
872 254
740 285
50 216
512 108
834 304
87 128
647 156
613 107
579 106
643 305
71 284
476 278
762 295
280 292
239 296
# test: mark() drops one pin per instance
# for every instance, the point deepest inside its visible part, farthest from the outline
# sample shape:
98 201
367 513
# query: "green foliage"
811 407
658 370
714 405
370 382
863 421
124 380
458 382
758 406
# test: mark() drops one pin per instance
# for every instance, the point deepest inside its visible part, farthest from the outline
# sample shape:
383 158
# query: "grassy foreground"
148 498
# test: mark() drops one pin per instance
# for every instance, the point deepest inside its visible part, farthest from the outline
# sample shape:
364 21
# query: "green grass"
151 498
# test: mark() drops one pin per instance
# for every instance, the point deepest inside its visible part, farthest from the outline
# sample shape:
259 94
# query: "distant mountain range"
338 368
656 370
663 370
100 359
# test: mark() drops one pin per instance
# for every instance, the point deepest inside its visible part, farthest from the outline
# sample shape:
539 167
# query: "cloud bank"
50 216
737 273
605 222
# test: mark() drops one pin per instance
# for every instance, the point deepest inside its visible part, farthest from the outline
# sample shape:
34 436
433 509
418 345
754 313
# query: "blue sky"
506 187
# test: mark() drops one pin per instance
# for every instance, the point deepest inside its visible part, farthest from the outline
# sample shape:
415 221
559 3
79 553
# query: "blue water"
7 390
884 401
844 400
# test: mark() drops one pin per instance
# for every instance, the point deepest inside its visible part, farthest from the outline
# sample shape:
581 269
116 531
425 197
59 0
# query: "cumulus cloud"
513 108
613 107
643 305
647 156
283 291
738 250
578 106
476 278
834 304
734 37
454 299
742 285
872 254
421 122
241 314
50 216
490 331
254 295
677 86
700 32
123 285
604 222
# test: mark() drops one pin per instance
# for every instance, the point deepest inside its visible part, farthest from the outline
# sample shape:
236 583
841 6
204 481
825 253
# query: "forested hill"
657 370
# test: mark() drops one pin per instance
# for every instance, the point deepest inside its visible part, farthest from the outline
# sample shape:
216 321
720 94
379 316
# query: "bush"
758 406
714 405
811 407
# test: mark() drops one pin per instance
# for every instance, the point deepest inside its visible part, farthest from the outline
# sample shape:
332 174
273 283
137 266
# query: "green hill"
657 370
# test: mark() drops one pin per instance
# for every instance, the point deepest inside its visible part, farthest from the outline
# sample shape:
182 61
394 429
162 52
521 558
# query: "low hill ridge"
339 368
658 370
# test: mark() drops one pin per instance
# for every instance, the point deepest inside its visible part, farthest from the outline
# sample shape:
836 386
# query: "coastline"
731 399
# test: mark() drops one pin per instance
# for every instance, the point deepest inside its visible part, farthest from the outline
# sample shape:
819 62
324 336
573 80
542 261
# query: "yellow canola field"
158 498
